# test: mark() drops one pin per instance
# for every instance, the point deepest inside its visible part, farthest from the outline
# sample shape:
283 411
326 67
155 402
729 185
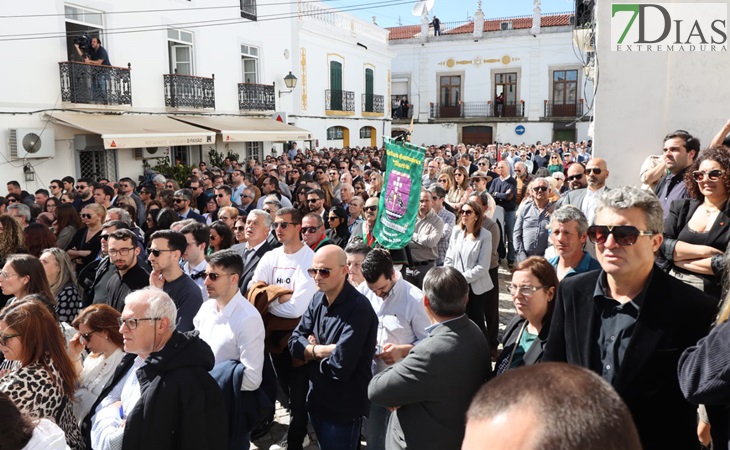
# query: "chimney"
535 18
478 22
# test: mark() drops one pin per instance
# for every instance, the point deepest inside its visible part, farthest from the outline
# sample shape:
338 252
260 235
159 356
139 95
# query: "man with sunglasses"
313 232
286 267
587 198
85 192
338 334
181 204
630 321
576 178
166 249
129 276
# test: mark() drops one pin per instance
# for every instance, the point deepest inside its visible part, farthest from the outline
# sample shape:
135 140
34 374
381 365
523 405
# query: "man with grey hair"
20 212
161 395
429 404
182 199
568 235
630 321
258 224
159 181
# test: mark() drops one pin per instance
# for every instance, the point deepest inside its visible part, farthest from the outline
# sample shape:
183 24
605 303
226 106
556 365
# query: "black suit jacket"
250 266
195 216
674 316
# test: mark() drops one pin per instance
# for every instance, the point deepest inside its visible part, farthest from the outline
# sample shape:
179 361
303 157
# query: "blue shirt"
338 384
586 264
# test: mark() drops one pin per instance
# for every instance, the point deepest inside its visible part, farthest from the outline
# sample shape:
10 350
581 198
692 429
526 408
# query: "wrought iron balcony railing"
564 109
256 97
476 109
186 91
337 100
373 103
89 83
396 110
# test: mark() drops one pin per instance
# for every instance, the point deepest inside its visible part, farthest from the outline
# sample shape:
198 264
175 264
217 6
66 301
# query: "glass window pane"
173 34
572 75
254 51
186 36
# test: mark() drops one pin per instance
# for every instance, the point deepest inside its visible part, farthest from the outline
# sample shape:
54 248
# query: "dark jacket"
339 236
250 267
181 405
673 317
509 341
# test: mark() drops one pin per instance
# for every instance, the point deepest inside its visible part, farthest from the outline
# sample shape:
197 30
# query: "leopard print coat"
36 392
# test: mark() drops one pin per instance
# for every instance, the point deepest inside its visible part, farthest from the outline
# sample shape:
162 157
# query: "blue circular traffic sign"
520 130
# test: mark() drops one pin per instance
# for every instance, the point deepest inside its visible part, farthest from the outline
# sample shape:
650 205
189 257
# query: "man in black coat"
164 398
630 322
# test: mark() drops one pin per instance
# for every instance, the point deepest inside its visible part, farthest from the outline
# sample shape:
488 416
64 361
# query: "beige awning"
247 129
136 131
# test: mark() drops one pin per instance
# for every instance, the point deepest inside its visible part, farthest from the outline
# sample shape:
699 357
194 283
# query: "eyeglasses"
245 196
712 175
310 230
121 251
53 187
481 164
370 208
466 212
458 174
540 189
240 228
12 200
595 170
525 291
87 336
80 186
123 185
104 237
4 338
332 218
313 200
212 275
442 180
178 200
622 234
156 251
324 273
86 216
319 172
577 176
132 323
283 225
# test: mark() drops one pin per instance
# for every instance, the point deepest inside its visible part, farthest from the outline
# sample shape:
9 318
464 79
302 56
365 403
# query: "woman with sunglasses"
533 217
339 232
376 184
62 281
461 190
293 177
470 252
697 231
221 237
86 243
97 332
446 178
533 287
42 383
555 164
68 198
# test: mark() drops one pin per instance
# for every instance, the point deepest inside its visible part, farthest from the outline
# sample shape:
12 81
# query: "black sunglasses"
540 189
313 200
466 212
712 175
212 275
86 216
179 200
324 273
575 177
156 251
595 170
623 234
4 337
283 225
310 230
370 208
87 336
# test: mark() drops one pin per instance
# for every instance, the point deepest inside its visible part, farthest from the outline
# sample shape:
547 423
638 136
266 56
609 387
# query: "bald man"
586 198
338 331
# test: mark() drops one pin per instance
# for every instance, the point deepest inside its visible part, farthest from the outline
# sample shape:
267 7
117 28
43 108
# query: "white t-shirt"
47 436
289 271
236 332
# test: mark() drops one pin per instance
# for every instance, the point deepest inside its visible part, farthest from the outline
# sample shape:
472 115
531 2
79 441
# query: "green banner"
399 198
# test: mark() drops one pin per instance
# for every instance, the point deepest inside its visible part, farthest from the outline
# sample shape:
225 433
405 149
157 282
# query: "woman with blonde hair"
97 331
42 385
62 281
446 178
86 243
461 190
376 185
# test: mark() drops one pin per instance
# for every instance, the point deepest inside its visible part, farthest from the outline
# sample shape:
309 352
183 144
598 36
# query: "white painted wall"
643 96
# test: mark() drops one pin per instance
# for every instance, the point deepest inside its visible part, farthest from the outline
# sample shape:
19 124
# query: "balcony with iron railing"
468 110
92 84
339 102
373 104
554 109
187 91
256 97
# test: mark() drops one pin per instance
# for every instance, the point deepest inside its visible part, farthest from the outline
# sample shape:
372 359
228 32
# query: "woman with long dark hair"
23 275
38 237
19 431
68 222
30 336
221 237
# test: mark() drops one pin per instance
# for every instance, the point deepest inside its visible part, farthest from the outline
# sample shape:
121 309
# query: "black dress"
79 243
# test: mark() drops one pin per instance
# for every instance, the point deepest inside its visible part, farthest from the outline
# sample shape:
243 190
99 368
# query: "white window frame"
250 53
177 38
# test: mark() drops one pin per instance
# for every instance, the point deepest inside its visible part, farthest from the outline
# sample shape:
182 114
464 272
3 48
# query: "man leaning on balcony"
99 57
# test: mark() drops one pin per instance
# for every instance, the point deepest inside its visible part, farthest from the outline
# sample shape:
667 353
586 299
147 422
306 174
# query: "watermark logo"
669 27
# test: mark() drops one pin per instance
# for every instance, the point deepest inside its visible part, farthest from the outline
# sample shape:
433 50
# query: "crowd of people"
173 314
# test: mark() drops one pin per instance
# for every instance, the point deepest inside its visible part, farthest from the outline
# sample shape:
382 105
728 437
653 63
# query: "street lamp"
291 82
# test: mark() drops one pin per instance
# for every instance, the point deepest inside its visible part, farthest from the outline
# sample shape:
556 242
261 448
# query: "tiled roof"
518 23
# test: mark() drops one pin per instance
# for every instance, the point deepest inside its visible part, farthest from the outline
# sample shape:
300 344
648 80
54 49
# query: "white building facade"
495 80
187 77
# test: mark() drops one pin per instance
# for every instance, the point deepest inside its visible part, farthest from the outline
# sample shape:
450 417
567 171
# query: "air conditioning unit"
150 152
32 143
505 25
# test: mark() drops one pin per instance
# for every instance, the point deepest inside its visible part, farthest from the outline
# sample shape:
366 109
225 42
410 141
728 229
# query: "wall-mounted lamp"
291 82
29 172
